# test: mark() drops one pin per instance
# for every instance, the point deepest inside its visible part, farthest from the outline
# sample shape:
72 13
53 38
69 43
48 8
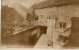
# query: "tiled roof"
50 3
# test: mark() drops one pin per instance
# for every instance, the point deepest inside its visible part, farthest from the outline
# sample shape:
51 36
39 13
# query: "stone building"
63 11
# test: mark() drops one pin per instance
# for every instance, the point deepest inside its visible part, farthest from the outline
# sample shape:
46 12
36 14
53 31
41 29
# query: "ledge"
22 30
63 30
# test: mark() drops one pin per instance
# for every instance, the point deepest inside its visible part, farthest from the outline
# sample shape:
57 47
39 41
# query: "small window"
62 24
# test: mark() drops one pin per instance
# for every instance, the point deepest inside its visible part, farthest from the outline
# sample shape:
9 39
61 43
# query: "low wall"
27 37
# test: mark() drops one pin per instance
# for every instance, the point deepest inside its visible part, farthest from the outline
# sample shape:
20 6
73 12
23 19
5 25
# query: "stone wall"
65 13
46 12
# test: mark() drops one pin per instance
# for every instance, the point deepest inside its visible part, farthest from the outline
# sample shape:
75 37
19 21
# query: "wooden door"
75 32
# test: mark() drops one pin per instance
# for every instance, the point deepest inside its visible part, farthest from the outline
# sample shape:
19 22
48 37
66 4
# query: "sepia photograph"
49 24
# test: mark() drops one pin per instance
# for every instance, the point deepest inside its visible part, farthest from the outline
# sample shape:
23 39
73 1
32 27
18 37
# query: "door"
75 32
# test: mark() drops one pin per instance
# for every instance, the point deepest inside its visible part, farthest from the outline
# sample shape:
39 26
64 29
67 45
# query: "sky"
26 3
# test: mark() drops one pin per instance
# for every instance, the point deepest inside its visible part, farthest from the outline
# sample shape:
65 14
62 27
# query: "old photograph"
40 24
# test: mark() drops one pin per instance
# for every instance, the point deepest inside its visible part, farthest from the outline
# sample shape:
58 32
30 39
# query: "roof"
50 3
